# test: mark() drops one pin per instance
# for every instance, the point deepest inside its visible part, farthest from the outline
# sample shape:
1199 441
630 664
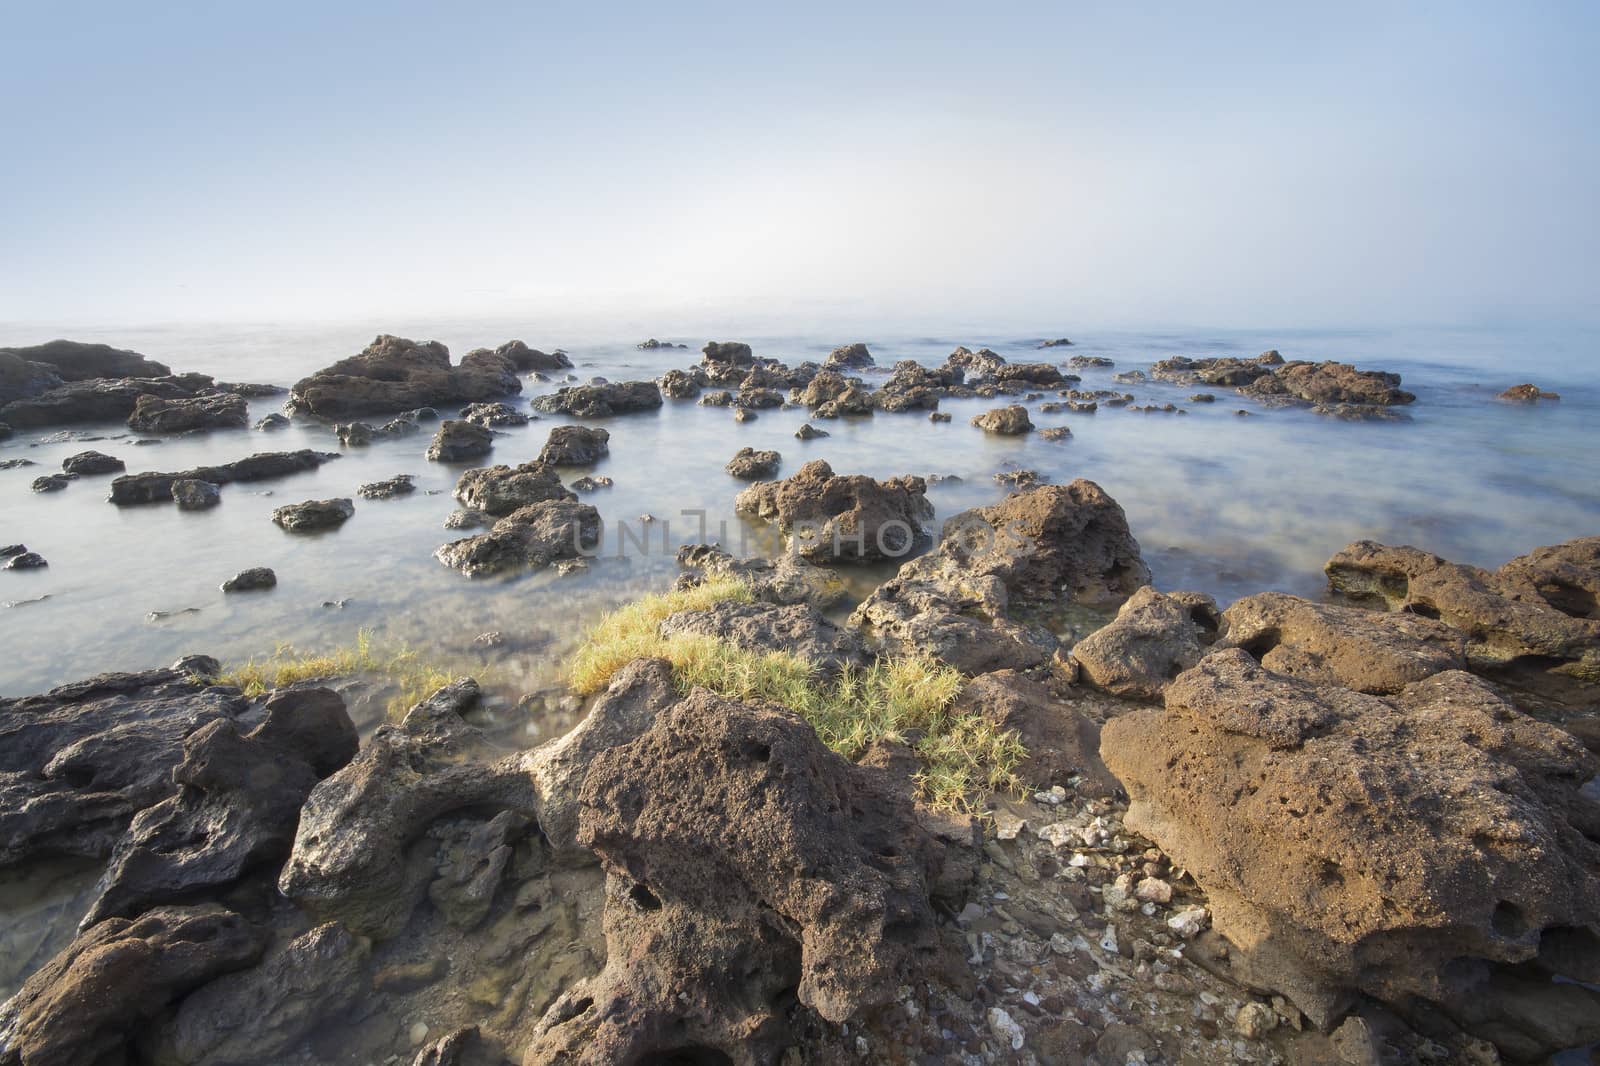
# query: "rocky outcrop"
457 442
717 355
157 488
1406 847
796 629
522 358
748 464
602 401
1527 393
848 357
850 518
313 516
532 536
1154 638
87 464
77 361
700 823
236 806
499 490
97 399
193 495
78 762
1329 387
575 446
154 414
683 384
80 1008
1005 421
1534 622
394 374
1326 644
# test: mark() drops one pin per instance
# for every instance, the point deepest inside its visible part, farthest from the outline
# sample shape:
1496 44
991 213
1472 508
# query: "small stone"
1153 890
1008 824
257 577
1189 923
1006 1028
419 1033
1255 1020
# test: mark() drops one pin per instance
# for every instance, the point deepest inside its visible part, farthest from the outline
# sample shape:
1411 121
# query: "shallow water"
1223 504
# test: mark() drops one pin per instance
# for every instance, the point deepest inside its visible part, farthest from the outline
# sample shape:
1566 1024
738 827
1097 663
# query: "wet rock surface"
158 488
313 516
394 374
602 401
842 518
748 464
399 485
1005 421
154 414
92 463
499 490
575 446
783 580
457 441
257 577
191 494
532 536
493 415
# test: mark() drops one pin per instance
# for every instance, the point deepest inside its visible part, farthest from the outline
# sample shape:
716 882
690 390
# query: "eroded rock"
1154 638
394 374
499 490
532 536
155 414
313 516
849 518
575 446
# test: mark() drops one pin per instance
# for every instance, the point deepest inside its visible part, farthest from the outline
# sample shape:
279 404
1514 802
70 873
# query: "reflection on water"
1224 504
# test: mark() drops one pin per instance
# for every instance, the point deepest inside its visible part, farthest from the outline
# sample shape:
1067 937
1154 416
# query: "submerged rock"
532 536
313 515
574 446
272 422
156 488
602 401
751 465
53 482
394 374
194 495
399 485
1005 421
809 432
155 414
849 518
458 441
257 577
353 434
1528 393
492 415
849 357
1403 847
90 463
26 561
499 490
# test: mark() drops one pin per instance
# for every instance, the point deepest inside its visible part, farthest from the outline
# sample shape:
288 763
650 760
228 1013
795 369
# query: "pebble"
1153 890
1006 1028
1188 923
1255 1020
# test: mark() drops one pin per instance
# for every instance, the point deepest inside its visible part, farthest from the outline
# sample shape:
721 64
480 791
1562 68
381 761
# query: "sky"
1123 165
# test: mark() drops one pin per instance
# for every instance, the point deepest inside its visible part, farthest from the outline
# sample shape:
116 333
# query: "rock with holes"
395 374
499 490
1534 623
683 384
532 536
457 441
1062 744
493 415
701 824
78 762
602 401
1405 847
1154 638
748 464
843 518
575 446
237 803
849 357
796 629
1369 651
1005 421
83 1007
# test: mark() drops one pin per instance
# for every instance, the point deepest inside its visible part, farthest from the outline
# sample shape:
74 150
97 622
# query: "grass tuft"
904 699
414 678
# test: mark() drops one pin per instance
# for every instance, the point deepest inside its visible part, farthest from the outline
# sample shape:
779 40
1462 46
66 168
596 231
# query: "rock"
449 1049
532 536
271 422
262 1013
1155 637
850 518
751 465
1059 342
90 463
1527 394
1061 742
1254 1020
652 345
1394 846
154 414
1090 362
720 398
1533 623
313 515
53 482
1334 383
155 488
394 374
458 441
257 577
717 354
77 361
1368 651
353 434
809 432
81 1007
1027 374
575 446
1203 397
591 483
359 855
796 629
681 384
16 464
699 824
1005 421
499 490
493 415
1055 433
522 358
26 561
9 550
744 414
399 485
96 399
602 401
939 416
848 357
785 579
403 426
468 518
193 495
237 803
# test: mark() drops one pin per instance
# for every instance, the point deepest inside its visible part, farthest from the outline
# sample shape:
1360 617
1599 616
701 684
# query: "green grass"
413 678
963 755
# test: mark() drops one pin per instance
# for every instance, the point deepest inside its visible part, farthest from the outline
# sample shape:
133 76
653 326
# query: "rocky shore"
1362 828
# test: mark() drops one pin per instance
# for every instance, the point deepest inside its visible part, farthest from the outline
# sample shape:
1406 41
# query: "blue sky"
1222 164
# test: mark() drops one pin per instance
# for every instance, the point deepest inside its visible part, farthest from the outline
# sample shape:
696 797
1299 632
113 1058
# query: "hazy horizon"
919 166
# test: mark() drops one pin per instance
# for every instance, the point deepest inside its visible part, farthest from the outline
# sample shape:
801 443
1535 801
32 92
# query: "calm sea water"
1222 504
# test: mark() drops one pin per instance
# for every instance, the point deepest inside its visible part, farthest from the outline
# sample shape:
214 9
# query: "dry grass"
413 678
908 699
